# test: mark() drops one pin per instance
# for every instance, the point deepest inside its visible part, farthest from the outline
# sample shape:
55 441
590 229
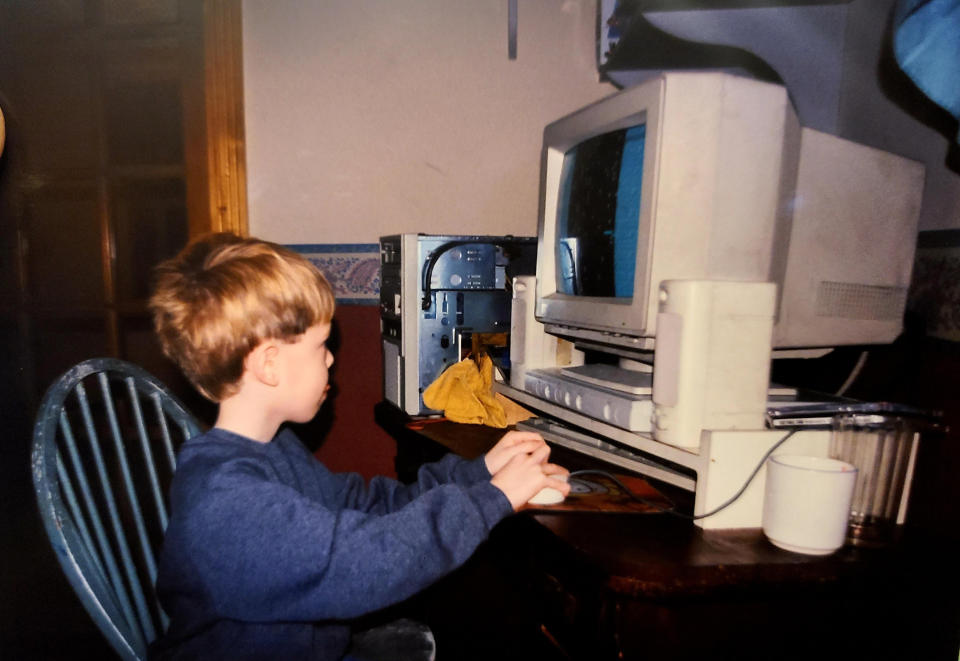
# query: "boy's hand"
511 444
555 470
525 474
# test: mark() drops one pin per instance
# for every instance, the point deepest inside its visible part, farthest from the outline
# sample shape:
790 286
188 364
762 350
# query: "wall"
371 117
383 116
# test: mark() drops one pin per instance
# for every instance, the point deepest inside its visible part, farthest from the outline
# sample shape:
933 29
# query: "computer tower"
426 324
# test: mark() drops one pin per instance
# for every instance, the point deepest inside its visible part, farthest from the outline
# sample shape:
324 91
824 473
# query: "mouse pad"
600 493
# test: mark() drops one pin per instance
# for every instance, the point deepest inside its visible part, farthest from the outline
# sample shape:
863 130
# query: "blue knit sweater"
268 553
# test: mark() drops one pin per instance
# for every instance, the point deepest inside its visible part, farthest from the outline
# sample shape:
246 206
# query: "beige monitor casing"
735 189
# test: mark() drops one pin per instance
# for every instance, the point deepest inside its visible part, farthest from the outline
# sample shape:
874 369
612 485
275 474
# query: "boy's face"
305 366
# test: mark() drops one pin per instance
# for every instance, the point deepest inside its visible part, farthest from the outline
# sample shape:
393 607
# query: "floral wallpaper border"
353 269
934 297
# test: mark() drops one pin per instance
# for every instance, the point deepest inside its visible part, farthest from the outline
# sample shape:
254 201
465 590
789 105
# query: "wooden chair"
102 459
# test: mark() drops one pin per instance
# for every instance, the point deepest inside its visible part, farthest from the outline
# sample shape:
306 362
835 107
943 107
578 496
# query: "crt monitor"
710 176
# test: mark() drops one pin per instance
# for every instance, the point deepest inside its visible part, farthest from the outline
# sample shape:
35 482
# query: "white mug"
806 505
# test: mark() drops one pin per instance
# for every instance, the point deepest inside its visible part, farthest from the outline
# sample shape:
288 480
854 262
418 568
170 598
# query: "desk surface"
655 586
660 554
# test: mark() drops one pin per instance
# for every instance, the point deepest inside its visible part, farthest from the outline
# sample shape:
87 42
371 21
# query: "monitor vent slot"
854 301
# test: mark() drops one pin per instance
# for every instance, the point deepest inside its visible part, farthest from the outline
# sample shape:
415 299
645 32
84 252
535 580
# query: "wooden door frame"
216 165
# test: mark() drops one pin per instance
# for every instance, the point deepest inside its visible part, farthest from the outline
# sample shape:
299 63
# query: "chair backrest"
102 460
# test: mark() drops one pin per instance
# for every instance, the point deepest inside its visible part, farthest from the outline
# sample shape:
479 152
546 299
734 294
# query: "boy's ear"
262 363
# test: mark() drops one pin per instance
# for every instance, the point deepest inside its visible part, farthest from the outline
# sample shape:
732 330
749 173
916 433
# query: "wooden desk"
656 586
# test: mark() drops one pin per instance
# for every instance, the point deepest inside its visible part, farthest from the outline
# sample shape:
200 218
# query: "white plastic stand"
710 383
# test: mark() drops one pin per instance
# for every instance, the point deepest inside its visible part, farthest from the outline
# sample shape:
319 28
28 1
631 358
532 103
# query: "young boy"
268 554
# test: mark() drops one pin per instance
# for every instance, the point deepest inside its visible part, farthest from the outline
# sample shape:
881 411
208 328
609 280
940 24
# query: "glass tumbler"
881 447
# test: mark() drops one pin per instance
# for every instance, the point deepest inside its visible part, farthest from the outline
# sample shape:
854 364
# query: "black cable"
672 509
508 240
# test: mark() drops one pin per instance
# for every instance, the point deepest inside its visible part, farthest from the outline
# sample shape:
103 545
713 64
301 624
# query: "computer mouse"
546 496
549 495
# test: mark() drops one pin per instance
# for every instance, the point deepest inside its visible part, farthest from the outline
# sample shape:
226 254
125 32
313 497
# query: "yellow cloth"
465 394
514 412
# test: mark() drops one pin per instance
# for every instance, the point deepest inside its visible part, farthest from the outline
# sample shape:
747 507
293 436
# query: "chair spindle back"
103 456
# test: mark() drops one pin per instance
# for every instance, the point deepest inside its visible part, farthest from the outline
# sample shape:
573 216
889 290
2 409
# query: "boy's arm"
385 494
264 552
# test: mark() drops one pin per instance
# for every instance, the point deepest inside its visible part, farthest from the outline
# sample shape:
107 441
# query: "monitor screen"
598 214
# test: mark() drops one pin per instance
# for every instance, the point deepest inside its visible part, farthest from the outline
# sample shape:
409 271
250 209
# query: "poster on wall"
353 269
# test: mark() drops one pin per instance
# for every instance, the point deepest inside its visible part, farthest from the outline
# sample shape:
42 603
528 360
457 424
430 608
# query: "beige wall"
367 117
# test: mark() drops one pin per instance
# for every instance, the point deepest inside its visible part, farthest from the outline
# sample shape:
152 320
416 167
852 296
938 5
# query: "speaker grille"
854 301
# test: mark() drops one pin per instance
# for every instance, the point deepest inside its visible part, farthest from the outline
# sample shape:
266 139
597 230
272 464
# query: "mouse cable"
672 509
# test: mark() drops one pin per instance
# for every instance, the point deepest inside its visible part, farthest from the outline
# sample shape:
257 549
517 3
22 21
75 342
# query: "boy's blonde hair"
223 295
